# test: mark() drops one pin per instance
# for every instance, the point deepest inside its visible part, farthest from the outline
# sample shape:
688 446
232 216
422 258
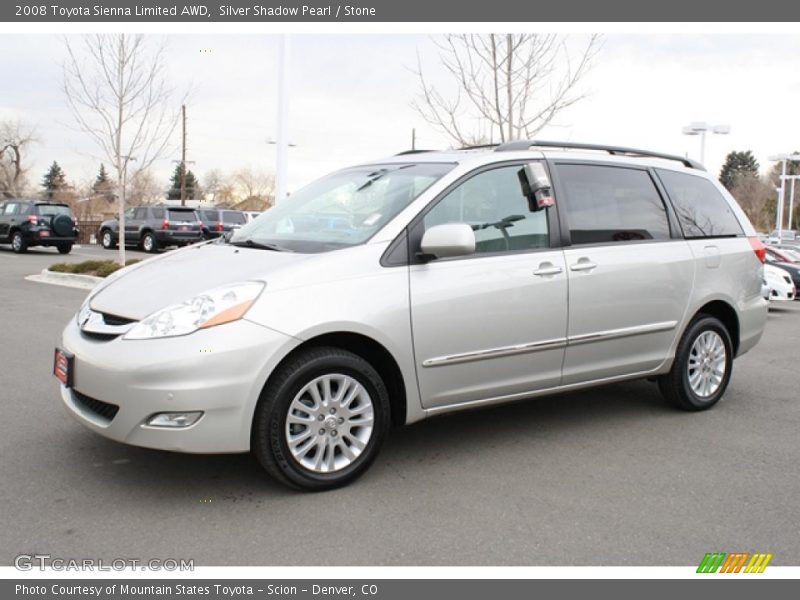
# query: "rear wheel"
702 367
64 248
107 240
18 243
149 242
321 419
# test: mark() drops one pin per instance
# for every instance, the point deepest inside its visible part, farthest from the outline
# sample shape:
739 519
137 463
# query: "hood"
180 274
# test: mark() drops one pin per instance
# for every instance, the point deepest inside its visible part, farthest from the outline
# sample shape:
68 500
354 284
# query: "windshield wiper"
250 243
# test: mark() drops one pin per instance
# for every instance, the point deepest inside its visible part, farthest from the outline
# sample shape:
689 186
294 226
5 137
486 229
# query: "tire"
695 389
149 242
324 458
107 239
62 225
18 243
64 248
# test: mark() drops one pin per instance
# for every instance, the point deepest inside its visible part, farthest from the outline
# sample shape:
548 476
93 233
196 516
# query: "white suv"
417 285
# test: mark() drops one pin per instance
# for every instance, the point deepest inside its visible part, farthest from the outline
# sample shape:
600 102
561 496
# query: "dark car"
779 258
154 227
26 223
218 221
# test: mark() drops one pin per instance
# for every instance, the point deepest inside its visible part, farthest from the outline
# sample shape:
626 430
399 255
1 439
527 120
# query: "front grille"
104 410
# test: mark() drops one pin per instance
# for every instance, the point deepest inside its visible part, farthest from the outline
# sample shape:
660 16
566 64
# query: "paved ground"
605 477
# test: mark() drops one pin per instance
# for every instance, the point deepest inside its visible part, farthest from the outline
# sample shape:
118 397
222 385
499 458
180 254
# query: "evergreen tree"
54 181
102 185
192 186
737 164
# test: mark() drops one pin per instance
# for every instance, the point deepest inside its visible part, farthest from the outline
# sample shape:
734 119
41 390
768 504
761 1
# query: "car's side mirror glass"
447 241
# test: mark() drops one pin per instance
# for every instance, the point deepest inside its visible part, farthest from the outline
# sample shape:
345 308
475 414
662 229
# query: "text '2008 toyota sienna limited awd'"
417 285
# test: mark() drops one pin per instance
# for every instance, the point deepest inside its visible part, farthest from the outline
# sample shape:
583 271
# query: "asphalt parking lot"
611 476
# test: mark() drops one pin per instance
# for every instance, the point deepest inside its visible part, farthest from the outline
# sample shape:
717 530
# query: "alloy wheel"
707 364
329 423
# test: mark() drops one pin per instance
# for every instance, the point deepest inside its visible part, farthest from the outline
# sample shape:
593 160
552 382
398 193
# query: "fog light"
175 420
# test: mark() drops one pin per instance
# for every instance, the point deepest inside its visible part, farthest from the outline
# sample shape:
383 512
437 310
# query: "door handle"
583 264
546 269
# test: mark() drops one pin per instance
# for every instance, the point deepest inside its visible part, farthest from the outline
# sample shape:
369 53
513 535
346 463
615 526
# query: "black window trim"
399 254
675 232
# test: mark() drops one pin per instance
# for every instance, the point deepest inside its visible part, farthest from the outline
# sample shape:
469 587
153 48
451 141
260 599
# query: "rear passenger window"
612 204
702 210
140 214
10 209
158 213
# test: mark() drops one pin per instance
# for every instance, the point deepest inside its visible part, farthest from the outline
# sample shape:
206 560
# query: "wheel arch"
371 351
726 314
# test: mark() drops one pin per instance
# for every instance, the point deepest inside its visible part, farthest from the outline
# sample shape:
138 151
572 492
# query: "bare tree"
213 182
117 91
512 84
254 188
756 196
15 137
145 188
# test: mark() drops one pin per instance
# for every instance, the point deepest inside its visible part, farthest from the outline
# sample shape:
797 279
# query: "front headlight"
214 307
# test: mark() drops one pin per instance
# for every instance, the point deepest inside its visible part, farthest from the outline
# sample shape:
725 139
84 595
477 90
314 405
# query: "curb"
73 280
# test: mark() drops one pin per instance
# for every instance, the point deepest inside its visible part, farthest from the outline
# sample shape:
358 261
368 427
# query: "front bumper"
219 371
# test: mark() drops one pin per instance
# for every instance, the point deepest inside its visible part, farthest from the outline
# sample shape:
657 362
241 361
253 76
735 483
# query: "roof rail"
405 152
615 150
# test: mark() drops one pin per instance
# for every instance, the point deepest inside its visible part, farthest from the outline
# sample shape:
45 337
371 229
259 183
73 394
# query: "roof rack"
615 150
405 152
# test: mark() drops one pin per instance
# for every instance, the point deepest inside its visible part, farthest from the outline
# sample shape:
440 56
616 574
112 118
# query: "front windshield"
343 209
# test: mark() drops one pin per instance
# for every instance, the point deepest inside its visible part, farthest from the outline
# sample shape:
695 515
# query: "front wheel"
18 243
321 419
702 367
149 243
107 240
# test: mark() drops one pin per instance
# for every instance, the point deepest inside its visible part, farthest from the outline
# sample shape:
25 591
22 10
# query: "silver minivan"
417 285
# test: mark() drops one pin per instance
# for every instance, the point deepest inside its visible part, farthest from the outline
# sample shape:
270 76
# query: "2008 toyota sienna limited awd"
417 285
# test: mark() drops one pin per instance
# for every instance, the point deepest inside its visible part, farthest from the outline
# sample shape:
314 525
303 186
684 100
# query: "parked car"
154 227
781 260
786 236
790 253
462 280
781 286
25 223
219 221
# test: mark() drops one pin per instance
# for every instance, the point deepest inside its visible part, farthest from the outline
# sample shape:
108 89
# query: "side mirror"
448 240
536 186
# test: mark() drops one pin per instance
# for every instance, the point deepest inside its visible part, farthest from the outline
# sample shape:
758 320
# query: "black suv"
218 221
26 223
153 227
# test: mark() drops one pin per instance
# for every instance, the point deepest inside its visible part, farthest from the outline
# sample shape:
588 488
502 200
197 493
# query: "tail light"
33 219
165 224
758 248
219 226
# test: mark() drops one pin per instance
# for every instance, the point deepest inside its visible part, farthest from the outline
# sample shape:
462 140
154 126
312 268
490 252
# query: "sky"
350 98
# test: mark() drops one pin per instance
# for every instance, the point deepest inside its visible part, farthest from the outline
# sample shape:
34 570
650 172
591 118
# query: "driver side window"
492 203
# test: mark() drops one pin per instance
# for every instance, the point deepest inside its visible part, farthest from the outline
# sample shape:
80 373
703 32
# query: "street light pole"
700 128
784 158
281 147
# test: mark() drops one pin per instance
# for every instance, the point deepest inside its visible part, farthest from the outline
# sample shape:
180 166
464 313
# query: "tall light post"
701 128
784 158
282 143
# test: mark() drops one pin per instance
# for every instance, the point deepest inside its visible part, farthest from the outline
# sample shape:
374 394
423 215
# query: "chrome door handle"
583 265
544 271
